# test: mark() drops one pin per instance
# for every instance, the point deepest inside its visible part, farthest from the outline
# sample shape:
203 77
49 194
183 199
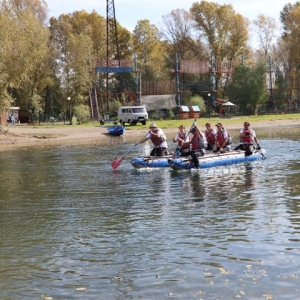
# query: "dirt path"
28 135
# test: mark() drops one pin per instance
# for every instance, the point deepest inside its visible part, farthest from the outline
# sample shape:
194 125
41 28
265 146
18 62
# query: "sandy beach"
29 135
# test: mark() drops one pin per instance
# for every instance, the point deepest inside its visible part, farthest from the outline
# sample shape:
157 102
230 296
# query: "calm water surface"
73 228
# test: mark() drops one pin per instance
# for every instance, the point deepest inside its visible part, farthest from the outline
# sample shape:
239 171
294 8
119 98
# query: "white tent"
229 107
228 103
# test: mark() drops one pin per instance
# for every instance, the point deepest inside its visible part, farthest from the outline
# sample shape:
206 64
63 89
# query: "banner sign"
114 66
113 69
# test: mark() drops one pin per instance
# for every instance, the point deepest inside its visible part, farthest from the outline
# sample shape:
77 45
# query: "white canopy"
228 103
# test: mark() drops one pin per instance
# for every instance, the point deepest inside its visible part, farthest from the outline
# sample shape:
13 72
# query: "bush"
82 112
198 101
154 115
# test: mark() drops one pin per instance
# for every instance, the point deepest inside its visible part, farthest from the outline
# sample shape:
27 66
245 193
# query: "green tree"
266 28
82 112
224 31
247 88
73 47
145 39
290 54
198 101
24 52
177 30
280 93
285 16
150 50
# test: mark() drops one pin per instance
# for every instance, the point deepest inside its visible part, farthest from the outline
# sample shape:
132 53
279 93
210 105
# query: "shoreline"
29 135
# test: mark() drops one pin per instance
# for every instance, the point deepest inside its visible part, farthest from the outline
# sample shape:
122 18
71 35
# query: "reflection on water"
73 228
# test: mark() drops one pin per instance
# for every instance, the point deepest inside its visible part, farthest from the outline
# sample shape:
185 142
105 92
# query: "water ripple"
73 228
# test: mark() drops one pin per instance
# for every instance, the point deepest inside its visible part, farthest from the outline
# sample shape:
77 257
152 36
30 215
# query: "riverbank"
29 135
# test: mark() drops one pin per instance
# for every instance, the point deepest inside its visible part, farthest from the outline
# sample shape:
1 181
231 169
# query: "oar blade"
116 163
262 154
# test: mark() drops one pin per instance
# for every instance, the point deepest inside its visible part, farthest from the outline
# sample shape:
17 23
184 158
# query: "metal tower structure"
112 43
112 64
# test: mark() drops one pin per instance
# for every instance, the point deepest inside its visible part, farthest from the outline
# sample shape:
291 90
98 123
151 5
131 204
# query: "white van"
132 115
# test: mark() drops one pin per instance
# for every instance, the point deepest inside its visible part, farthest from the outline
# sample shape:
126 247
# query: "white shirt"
159 131
187 138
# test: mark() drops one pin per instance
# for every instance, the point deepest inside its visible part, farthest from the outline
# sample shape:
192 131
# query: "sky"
129 12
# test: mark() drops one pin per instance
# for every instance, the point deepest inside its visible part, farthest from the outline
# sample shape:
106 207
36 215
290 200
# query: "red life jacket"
182 136
158 140
197 142
210 137
247 139
220 138
155 140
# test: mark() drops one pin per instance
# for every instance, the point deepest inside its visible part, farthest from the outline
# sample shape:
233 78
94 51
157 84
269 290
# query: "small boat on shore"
209 160
116 130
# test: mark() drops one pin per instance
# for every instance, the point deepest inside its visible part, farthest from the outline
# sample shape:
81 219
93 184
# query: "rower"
247 138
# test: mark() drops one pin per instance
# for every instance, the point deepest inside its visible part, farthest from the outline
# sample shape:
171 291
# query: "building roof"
195 108
184 108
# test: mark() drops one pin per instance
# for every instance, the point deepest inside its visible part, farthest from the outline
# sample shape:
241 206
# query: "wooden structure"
184 112
3 118
158 87
194 112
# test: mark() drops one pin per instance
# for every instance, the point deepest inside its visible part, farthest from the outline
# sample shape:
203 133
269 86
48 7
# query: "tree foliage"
266 28
247 88
224 31
198 101
149 49
285 16
177 30
24 51
43 62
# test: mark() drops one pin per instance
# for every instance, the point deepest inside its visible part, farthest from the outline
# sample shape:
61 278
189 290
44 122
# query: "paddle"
178 150
116 163
259 150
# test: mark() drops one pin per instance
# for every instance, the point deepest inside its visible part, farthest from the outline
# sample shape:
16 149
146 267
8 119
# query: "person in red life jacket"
210 134
222 139
247 136
180 138
159 140
198 142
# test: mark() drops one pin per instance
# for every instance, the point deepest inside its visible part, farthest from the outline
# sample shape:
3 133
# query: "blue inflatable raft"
151 162
210 160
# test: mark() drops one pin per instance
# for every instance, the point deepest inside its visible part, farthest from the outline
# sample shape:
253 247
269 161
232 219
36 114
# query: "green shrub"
82 112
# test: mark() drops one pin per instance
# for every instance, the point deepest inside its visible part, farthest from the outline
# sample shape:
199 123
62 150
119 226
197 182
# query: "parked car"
132 115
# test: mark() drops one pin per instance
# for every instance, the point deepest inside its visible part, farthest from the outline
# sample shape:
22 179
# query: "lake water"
73 228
